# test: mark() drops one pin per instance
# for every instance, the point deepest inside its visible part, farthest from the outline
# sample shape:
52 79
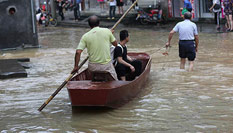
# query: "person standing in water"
97 41
188 40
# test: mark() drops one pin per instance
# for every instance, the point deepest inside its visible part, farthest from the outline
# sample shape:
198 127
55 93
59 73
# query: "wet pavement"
174 100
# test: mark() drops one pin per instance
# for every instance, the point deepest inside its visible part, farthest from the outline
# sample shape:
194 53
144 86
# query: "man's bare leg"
182 63
191 64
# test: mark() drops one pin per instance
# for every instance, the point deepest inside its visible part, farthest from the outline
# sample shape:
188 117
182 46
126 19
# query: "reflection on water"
174 100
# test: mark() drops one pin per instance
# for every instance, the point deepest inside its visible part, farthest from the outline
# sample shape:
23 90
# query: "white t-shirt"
38 16
216 2
186 30
112 3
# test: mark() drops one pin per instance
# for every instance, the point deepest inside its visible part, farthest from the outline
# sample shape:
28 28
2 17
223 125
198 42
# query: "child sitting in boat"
123 63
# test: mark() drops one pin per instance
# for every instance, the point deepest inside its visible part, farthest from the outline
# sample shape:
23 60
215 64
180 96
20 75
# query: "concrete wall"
18 29
147 2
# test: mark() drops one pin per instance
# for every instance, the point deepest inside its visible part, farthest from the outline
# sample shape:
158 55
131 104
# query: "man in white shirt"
188 40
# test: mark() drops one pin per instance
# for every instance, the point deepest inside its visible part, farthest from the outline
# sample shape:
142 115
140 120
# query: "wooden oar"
124 15
61 86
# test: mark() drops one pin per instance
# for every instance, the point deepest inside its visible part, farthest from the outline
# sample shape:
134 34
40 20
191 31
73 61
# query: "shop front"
200 8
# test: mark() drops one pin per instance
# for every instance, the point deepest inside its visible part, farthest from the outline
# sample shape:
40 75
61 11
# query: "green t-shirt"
97 41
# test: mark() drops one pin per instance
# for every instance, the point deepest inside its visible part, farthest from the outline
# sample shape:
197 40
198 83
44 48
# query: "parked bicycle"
47 20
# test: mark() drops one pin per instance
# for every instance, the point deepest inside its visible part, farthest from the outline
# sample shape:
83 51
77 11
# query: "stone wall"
17 24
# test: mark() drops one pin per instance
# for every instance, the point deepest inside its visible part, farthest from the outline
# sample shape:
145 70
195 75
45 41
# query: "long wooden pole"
61 86
135 2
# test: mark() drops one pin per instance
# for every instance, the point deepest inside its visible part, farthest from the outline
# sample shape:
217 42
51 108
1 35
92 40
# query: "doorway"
204 7
177 4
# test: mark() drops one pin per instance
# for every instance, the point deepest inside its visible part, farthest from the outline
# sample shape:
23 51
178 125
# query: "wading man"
188 40
97 41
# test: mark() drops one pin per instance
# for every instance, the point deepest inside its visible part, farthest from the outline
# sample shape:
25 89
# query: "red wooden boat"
83 91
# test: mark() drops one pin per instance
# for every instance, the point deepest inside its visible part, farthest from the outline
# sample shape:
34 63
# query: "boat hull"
83 92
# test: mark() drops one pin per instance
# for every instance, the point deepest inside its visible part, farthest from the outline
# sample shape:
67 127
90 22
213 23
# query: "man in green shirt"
97 41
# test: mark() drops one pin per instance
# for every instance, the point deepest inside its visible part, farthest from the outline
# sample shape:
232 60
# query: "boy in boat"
123 63
97 41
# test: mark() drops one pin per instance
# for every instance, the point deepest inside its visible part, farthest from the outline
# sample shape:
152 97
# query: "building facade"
172 7
200 8
17 24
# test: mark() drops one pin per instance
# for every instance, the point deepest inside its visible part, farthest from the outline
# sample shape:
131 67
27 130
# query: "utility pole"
53 8
39 3
47 6
88 4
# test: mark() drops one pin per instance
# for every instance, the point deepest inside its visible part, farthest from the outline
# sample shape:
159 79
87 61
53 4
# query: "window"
11 10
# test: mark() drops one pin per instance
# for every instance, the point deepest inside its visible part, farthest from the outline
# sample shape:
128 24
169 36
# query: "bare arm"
76 60
129 58
196 42
114 43
172 32
212 6
120 60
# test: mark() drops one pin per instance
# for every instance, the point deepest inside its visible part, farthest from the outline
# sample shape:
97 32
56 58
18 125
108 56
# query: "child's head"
124 35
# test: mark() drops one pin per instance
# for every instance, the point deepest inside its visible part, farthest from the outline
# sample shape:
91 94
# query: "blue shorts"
187 49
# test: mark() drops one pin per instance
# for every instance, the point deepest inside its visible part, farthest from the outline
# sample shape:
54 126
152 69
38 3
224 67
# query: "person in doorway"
112 9
216 8
125 2
187 7
228 12
188 40
106 4
101 3
120 5
123 63
77 10
60 6
97 41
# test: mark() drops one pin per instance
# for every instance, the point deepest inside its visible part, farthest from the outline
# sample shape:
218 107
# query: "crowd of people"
98 39
216 8
105 6
228 7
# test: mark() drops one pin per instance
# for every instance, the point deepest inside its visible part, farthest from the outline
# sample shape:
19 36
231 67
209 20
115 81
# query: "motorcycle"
154 15
47 19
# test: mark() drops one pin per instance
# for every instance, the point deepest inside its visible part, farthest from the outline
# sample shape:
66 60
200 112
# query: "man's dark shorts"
187 50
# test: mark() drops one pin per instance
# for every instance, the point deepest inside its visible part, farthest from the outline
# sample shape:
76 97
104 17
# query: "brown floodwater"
174 100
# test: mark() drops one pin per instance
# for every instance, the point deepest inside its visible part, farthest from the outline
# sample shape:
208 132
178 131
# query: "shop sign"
193 6
170 8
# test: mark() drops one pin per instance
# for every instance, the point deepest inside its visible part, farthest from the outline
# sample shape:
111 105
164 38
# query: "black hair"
123 35
93 21
187 15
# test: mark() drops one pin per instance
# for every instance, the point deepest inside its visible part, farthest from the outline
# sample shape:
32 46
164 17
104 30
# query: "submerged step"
11 68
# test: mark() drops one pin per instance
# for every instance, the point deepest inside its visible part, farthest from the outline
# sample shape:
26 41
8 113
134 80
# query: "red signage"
170 8
223 13
193 11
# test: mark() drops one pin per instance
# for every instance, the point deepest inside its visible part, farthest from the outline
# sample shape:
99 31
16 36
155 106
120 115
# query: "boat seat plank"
101 76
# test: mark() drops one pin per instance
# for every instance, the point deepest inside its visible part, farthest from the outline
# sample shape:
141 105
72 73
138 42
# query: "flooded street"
174 100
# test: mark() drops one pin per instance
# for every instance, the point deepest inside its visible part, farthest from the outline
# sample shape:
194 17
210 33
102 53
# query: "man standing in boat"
188 40
97 41
123 63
